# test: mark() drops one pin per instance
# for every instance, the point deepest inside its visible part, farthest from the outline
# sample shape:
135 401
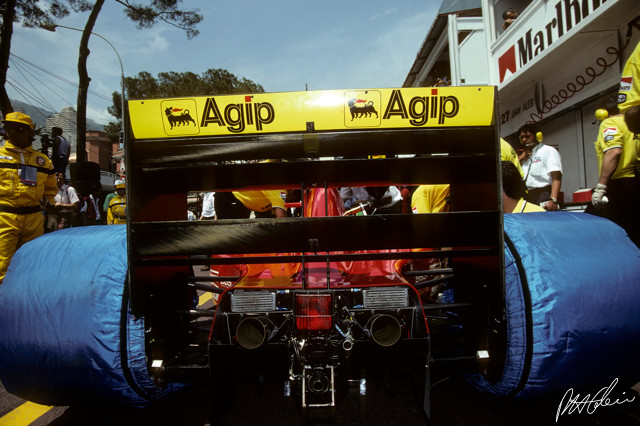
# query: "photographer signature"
571 403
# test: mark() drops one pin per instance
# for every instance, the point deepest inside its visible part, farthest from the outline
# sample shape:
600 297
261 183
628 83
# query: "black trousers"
623 206
229 207
538 195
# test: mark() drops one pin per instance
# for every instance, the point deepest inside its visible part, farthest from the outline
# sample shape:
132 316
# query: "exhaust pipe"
385 330
251 333
347 343
319 381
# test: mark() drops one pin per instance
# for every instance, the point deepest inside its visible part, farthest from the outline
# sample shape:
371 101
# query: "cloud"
99 114
158 43
384 14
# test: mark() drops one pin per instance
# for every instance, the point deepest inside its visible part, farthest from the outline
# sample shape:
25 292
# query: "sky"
284 45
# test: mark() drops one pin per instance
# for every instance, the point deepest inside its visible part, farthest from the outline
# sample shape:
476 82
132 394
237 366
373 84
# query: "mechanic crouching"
26 178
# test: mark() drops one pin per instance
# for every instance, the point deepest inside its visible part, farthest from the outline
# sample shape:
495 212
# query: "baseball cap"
18 117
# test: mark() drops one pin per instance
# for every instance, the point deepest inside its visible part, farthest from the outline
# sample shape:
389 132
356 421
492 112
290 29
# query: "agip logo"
178 117
362 108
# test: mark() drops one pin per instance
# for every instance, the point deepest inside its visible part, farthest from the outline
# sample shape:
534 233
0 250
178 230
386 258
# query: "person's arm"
556 183
109 216
50 185
610 159
74 199
524 154
72 205
107 200
609 164
277 202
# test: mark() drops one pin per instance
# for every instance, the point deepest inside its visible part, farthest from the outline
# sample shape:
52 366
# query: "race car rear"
318 299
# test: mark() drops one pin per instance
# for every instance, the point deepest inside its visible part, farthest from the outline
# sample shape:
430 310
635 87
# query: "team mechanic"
239 205
629 92
117 211
26 178
618 151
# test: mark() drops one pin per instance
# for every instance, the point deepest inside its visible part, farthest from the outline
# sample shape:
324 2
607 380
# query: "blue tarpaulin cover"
572 297
66 334
572 305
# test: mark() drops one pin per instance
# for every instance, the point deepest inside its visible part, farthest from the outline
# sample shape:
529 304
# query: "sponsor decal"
362 108
507 63
419 109
562 18
626 83
514 112
610 131
312 111
236 117
178 117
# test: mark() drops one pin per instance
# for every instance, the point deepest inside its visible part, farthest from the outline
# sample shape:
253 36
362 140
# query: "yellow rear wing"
369 137
316 111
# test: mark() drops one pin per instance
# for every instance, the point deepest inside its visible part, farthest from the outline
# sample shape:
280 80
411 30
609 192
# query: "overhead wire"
25 93
30 71
59 77
37 104
22 70
42 99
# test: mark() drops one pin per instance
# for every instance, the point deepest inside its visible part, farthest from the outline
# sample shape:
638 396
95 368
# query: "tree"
29 14
83 84
171 84
144 17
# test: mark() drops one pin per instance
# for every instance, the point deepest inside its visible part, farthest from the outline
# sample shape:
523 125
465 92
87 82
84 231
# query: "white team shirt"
207 205
538 166
66 195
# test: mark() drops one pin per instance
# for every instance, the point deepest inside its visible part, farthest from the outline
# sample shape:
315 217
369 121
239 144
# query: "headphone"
601 114
539 136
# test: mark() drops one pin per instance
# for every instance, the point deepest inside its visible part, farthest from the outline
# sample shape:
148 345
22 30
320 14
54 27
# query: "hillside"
40 115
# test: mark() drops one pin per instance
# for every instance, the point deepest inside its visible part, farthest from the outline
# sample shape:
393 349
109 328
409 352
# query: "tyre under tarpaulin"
67 336
572 298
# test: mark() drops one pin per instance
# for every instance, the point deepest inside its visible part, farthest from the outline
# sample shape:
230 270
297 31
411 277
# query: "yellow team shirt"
629 92
507 153
613 133
527 207
260 201
117 212
26 177
430 199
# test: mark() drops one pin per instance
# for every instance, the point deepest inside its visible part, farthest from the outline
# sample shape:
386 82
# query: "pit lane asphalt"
453 401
